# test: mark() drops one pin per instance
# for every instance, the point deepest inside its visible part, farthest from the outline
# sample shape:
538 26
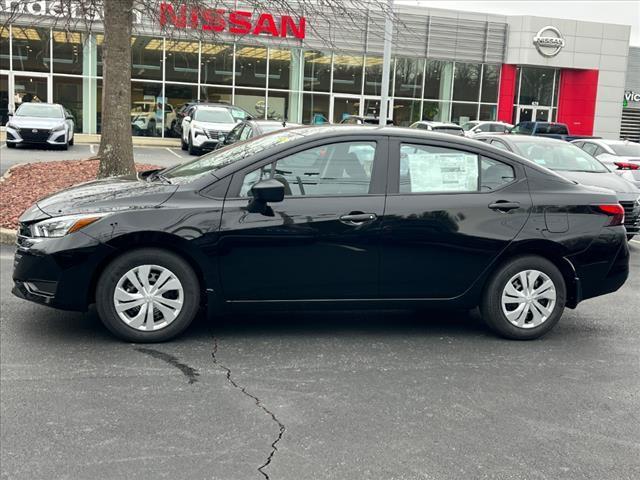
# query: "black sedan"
254 128
575 164
326 217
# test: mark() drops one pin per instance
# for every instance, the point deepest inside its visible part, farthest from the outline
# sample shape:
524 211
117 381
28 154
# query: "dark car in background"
254 128
440 127
36 123
326 217
573 163
556 130
621 156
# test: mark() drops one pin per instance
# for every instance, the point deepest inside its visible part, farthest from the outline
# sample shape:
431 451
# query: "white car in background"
205 128
476 127
620 156
146 118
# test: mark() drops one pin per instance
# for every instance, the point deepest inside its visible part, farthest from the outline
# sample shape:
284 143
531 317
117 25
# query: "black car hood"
112 194
36 122
605 180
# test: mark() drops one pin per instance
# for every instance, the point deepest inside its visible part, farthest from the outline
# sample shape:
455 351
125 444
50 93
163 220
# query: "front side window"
329 170
429 169
246 133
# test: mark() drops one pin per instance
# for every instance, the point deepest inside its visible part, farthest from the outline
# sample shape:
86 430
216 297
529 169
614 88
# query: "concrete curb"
87 138
7 236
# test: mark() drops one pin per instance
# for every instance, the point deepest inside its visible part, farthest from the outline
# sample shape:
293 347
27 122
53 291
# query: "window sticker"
441 172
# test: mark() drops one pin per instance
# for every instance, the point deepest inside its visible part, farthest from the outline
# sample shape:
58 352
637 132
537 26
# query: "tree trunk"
116 147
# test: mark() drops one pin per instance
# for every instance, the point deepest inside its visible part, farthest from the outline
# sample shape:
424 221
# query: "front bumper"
208 140
58 272
38 136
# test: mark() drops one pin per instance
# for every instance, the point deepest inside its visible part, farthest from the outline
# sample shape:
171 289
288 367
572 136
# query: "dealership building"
309 68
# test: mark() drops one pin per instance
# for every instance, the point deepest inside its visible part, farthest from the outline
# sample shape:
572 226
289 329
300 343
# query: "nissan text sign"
236 22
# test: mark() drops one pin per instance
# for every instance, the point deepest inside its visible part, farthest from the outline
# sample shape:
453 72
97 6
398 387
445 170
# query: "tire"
71 142
151 129
11 145
183 144
160 327
65 146
192 150
629 237
529 326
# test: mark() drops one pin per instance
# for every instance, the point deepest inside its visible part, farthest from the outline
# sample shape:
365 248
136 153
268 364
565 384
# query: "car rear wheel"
524 298
147 295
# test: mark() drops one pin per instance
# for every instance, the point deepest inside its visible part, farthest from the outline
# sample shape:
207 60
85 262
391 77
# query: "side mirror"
69 117
10 114
238 120
268 191
187 118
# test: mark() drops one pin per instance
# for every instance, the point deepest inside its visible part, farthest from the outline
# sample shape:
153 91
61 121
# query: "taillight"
627 165
613 210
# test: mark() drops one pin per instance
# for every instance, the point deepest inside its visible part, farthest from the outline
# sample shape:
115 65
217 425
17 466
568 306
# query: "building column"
296 78
89 84
507 92
577 100
446 91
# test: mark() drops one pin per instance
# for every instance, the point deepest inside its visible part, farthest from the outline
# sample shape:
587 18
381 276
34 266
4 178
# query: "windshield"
231 154
39 110
627 149
469 125
142 107
213 115
560 155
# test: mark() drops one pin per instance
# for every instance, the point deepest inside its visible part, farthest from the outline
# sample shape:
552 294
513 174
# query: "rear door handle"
504 206
358 218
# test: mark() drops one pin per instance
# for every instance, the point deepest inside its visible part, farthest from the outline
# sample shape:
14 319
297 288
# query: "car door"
450 211
322 241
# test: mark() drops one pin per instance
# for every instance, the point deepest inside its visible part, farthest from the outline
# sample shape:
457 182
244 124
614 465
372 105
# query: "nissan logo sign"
548 41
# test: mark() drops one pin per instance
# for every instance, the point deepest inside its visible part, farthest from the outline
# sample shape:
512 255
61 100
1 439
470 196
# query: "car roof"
438 124
515 138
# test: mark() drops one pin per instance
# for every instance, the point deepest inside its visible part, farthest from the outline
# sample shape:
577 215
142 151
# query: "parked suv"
556 130
476 127
36 123
326 217
206 127
146 118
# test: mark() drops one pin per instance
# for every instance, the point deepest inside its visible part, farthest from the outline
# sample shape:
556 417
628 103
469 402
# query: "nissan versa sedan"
573 163
37 123
326 217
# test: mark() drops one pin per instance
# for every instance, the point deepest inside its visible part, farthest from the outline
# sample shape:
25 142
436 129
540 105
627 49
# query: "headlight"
59 128
15 127
61 226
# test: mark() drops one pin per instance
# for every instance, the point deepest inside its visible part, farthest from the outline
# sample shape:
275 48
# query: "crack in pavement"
189 372
260 405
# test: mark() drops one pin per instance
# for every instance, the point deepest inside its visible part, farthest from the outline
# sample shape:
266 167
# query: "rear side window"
452 130
525 128
429 169
590 148
496 127
494 174
500 145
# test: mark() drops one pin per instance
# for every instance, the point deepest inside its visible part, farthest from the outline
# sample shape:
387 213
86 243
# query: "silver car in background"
620 156
36 123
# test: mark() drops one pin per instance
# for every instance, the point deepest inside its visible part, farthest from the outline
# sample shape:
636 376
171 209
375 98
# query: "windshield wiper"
158 176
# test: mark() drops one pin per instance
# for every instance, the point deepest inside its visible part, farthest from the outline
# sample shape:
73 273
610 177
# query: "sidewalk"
95 138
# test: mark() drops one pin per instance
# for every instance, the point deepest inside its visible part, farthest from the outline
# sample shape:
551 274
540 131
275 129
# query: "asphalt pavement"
337 395
161 156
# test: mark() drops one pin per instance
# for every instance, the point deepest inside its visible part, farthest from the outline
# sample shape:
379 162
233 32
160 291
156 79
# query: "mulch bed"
32 181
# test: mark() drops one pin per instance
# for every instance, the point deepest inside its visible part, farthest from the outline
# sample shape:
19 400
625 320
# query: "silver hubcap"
148 297
528 299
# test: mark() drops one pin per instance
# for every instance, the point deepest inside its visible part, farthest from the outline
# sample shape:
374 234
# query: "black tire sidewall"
491 307
150 256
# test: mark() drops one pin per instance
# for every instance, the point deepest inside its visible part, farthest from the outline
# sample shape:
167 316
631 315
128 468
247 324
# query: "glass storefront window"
177 95
536 86
436 111
181 60
556 89
373 76
147 108
67 52
215 94
463 112
490 79
279 68
31 49
408 77
251 66
29 88
146 58
406 112
315 109
280 106
347 74
216 63
317 71
466 83
67 91
488 112
437 81
4 99
4 48
253 101
99 106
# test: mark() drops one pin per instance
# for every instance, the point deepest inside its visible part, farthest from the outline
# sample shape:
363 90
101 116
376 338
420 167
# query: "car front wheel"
524 298
147 295
192 150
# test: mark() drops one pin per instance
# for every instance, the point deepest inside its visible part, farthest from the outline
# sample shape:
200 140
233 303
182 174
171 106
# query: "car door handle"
357 218
504 206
